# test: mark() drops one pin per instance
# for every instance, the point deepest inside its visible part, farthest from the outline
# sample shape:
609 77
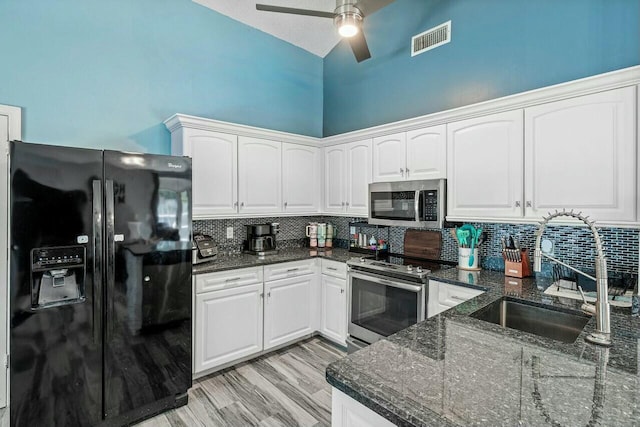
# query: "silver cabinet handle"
529 204
332 268
347 204
241 205
269 294
407 172
261 295
235 204
233 279
293 269
342 291
285 205
457 298
343 204
401 172
518 204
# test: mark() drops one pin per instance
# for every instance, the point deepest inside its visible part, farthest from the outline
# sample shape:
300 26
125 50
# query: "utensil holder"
518 269
463 258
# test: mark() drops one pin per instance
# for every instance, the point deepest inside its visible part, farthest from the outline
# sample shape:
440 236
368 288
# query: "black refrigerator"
100 285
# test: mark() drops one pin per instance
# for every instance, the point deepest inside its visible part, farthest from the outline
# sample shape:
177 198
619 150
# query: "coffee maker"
261 239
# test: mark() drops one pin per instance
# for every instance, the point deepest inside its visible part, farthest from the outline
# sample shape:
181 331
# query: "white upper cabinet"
300 178
215 174
260 175
347 173
413 155
334 178
580 153
358 171
427 153
389 157
485 167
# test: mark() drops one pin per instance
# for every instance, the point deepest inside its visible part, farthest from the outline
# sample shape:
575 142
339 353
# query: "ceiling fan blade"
367 7
359 46
306 12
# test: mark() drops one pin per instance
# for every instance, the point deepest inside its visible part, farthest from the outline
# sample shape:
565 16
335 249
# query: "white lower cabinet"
443 296
228 325
288 311
333 323
346 412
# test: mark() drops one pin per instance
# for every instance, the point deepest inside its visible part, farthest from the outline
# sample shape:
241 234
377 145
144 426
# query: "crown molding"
598 83
178 121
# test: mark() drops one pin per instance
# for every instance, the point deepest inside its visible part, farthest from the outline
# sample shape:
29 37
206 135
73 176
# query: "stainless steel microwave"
408 203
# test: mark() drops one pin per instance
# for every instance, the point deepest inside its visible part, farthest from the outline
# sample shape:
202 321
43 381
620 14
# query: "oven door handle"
386 282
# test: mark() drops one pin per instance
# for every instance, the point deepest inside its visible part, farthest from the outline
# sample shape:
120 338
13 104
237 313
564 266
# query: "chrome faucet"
602 334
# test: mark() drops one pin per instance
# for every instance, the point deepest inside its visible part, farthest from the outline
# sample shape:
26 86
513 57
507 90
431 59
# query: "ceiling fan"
347 16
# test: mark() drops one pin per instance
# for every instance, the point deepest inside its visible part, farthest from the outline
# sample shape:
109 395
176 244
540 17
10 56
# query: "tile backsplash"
573 245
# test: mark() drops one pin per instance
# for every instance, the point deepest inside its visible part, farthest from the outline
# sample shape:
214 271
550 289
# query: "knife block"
518 269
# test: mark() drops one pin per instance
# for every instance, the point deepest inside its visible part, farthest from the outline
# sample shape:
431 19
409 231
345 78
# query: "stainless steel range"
384 298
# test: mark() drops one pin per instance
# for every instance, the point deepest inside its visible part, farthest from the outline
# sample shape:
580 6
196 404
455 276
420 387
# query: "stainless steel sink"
550 322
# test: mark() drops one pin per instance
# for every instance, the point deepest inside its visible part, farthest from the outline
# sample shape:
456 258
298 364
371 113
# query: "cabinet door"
358 176
334 309
427 153
334 179
347 412
580 153
443 296
300 178
485 167
389 158
288 312
215 174
260 175
228 326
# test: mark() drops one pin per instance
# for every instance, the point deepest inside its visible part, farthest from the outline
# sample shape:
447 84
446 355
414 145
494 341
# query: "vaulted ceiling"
316 35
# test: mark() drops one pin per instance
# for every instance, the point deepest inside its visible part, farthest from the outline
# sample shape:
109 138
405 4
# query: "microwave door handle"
417 205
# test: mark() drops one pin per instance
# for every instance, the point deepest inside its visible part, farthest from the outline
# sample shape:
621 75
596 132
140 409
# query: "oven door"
380 306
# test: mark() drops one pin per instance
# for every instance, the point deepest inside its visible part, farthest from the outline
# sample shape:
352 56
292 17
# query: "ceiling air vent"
430 39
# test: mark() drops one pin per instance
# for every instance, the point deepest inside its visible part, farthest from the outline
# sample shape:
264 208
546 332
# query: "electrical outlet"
229 232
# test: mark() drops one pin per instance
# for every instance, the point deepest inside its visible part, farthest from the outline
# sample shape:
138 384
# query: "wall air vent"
430 39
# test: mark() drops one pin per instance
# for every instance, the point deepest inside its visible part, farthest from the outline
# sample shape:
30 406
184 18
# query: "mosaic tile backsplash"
573 245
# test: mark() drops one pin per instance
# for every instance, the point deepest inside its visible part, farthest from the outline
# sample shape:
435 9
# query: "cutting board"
422 244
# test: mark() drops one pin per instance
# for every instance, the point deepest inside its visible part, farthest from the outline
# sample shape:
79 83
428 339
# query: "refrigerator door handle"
110 255
97 261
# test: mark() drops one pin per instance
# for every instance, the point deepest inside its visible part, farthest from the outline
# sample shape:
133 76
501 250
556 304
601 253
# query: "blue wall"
106 73
498 47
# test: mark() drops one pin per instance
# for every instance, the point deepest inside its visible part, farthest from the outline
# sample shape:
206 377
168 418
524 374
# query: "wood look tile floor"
283 388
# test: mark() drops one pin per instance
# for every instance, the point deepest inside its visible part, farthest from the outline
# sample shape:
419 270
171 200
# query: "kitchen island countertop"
231 262
453 369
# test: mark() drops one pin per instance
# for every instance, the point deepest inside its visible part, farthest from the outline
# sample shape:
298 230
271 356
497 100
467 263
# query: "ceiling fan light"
348 24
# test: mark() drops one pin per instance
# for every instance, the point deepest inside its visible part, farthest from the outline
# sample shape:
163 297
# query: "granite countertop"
231 262
453 369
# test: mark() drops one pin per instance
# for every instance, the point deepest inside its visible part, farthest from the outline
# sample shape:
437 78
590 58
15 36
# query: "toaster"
204 248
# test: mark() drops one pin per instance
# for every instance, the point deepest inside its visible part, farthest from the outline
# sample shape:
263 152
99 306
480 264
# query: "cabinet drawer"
228 279
451 295
289 269
334 268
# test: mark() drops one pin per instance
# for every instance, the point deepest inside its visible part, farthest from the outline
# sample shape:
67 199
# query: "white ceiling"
316 35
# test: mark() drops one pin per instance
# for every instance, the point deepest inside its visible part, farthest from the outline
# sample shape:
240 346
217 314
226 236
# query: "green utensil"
473 234
462 236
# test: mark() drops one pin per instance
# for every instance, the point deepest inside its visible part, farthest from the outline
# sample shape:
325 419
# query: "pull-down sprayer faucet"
602 334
